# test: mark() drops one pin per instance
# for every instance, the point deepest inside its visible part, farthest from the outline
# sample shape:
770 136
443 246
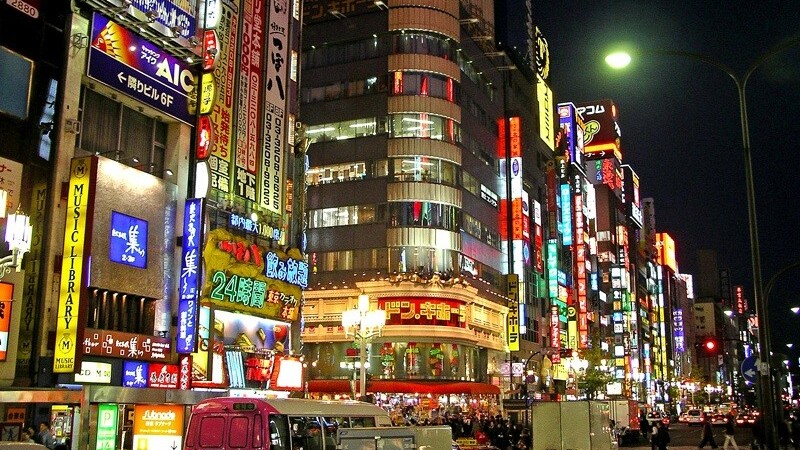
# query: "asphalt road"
682 435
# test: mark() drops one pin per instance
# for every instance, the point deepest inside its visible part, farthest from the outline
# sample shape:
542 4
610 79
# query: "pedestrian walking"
794 430
758 434
708 433
729 433
661 436
644 425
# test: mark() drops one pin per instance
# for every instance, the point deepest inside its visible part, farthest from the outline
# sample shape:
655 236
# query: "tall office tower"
411 118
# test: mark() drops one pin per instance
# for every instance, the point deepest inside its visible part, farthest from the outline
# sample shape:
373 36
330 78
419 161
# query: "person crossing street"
729 433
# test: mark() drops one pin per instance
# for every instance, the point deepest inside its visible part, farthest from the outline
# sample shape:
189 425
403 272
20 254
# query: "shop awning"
407 387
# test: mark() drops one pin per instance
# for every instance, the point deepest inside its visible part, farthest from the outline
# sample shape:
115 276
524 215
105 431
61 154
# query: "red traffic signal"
710 346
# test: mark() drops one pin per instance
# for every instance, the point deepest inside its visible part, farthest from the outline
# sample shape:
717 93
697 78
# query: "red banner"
424 311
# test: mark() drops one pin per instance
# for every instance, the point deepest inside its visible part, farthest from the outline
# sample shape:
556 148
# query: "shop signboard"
163 376
193 218
6 300
512 320
94 372
74 273
11 182
424 311
244 277
157 426
107 415
116 344
274 114
135 374
140 69
172 14
287 374
128 240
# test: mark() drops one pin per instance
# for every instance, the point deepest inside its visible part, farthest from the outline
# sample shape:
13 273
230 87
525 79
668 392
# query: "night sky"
680 124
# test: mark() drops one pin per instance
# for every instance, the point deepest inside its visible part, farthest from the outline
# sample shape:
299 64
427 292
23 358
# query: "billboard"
193 215
6 302
666 251
547 126
602 133
139 69
128 240
157 426
248 114
74 264
512 324
275 120
571 129
220 159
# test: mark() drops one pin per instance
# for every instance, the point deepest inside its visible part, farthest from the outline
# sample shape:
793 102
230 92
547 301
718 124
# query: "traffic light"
710 346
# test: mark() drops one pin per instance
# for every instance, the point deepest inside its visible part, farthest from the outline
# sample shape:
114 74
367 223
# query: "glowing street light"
364 325
620 60
18 237
795 309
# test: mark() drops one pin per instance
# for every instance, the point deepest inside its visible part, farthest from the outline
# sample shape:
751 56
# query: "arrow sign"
749 369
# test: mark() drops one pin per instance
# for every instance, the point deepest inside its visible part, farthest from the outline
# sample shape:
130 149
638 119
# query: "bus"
276 424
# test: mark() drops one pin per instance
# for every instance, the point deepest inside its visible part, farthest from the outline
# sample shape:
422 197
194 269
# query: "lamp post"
620 60
364 325
18 236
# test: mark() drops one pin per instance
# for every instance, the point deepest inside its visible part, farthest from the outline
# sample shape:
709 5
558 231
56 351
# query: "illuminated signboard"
249 225
666 251
552 268
489 196
566 215
252 334
287 374
424 311
740 303
249 87
128 241
245 277
225 19
94 372
170 15
188 289
163 376
116 344
677 329
205 137
512 323
275 121
6 301
77 243
140 69
135 374
158 426
580 273
547 126
555 327
538 239
107 415
572 129
602 133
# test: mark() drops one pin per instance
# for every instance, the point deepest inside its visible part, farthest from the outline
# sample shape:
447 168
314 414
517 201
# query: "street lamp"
364 325
18 236
620 60
795 309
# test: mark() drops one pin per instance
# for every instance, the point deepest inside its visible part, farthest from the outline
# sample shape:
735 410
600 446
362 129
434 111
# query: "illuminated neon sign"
190 270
